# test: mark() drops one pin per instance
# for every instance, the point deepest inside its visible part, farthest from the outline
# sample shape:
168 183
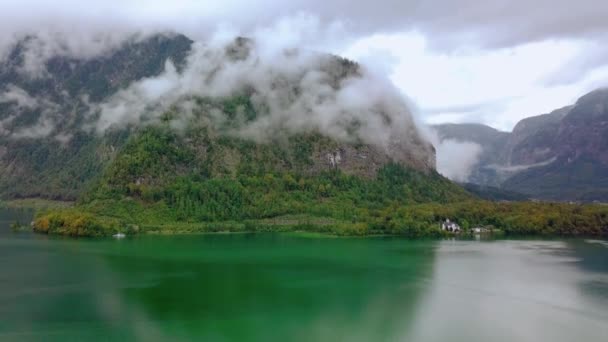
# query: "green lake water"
276 287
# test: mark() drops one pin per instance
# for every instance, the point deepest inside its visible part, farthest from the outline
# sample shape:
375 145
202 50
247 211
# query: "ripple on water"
598 242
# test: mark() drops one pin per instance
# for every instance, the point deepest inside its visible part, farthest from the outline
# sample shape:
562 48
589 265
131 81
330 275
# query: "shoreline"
35 203
417 221
326 235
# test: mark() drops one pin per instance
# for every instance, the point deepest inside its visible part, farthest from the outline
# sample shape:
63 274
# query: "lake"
280 287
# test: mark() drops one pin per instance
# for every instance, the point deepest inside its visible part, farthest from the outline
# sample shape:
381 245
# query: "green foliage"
49 169
164 181
46 167
516 218
239 108
153 155
17 226
203 179
73 223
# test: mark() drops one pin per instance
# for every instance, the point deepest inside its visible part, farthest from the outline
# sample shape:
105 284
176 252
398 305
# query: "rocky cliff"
562 155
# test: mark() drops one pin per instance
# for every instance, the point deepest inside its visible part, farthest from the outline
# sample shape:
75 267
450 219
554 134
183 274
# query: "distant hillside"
580 149
492 193
562 155
534 139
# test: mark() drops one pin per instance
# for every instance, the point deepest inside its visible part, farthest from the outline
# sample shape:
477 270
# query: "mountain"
146 117
534 139
583 131
579 148
562 155
161 134
44 150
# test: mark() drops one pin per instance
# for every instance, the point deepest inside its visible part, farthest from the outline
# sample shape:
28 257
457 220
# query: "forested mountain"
163 134
55 138
560 156
151 120
45 148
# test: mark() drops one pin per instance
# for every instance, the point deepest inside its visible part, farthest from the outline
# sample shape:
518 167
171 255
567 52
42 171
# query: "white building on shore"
450 226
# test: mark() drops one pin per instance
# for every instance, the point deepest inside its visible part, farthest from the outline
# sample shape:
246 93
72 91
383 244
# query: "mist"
284 67
19 97
455 159
518 168
293 90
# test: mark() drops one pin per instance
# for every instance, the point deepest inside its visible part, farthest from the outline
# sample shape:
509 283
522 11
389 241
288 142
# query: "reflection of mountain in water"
510 291
592 256
277 288
237 287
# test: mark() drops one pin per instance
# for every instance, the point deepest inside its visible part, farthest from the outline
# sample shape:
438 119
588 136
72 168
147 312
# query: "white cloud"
19 97
455 159
505 59
293 91
499 87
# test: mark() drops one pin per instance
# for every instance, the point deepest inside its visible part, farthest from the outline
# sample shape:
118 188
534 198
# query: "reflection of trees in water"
8 216
238 287
60 289
264 287
592 257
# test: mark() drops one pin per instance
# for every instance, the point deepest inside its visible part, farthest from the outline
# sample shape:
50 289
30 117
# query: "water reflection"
278 287
592 257
510 290
261 287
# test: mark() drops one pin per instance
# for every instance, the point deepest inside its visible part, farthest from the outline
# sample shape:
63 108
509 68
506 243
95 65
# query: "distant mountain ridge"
562 155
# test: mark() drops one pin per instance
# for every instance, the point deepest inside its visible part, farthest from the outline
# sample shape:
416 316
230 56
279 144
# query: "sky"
487 61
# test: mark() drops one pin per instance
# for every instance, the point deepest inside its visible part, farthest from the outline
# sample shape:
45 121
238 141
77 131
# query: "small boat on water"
119 236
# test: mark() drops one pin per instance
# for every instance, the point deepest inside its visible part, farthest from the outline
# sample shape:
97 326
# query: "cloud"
524 57
294 87
455 159
591 57
19 97
517 168
38 47
496 87
293 91
486 24
20 103
41 129
5 122
507 23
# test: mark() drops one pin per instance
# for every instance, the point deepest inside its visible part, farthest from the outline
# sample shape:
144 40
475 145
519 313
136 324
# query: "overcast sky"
488 61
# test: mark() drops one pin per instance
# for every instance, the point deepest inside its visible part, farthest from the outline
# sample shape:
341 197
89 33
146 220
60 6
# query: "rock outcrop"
562 155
